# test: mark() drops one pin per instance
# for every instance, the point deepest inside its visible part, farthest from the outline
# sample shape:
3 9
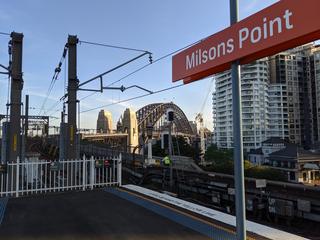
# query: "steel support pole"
15 96
170 156
72 97
26 120
24 137
149 151
237 136
26 127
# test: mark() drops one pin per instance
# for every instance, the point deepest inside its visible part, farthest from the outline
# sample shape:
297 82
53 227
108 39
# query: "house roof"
290 151
311 166
275 140
257 151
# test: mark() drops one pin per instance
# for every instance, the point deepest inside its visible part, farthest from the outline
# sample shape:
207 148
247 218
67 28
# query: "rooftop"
275 140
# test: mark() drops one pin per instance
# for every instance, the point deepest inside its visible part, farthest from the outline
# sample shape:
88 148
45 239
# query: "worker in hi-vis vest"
166 161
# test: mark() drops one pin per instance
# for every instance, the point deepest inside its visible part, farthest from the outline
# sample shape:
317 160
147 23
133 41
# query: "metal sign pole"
170 156
237 136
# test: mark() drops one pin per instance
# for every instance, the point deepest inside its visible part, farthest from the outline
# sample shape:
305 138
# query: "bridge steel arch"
151 113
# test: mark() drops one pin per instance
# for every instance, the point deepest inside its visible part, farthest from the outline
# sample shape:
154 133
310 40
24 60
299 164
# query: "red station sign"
283 25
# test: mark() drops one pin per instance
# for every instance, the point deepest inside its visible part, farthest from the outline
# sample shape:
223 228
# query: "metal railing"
34 177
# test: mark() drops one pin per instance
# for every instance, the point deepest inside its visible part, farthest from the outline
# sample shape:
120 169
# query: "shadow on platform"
87 215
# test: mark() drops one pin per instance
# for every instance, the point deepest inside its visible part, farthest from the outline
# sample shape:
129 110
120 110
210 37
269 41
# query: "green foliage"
222 162
218 156
157 150
179 144
263 172
247 165
221 159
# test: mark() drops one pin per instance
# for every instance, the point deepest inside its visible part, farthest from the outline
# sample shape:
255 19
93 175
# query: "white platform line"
253 227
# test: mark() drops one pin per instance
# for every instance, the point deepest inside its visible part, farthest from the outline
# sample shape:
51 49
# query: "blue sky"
157 26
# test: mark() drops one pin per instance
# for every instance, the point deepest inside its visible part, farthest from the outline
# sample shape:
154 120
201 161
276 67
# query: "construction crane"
199 120
200 123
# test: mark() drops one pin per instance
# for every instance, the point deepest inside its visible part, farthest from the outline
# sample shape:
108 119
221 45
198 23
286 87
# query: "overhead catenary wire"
91 94
5 34
112 69
145 66
135 71
51 108
113 46
9 81
8 97
207 95
154 61
54 78
133 98
161 58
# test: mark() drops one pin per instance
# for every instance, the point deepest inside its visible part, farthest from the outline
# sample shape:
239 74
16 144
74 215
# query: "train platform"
130 212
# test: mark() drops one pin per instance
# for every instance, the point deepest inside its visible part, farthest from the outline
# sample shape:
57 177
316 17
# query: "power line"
145 66
6 34
113 46
115 68
133 98
50 109
168 55
54 78
91 94
155 61
207 95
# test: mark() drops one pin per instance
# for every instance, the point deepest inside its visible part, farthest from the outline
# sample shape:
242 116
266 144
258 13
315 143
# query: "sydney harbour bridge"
127 138
154 115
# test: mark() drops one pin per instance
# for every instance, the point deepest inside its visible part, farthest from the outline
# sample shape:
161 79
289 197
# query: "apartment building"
296 70
254 93
277 110
280 98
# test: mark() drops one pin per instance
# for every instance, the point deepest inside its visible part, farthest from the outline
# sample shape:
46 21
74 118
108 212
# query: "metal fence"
32 177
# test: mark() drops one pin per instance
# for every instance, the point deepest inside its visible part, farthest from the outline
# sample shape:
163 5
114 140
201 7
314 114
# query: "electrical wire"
133 98
207 95
50 109
91 94
155 61
145 66
56 103
54 78
9 82
113 46
135 71
6 34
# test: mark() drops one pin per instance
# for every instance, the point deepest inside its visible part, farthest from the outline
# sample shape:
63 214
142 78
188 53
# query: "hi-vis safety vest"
166 160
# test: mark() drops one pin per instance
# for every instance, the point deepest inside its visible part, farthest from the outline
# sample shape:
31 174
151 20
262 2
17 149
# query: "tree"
218 156
179 145
221 159
222 162
263 172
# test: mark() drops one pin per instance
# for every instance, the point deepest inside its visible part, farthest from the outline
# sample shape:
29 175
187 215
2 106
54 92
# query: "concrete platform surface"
87 215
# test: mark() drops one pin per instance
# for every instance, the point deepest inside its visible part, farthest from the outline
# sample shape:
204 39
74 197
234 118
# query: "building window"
292 176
